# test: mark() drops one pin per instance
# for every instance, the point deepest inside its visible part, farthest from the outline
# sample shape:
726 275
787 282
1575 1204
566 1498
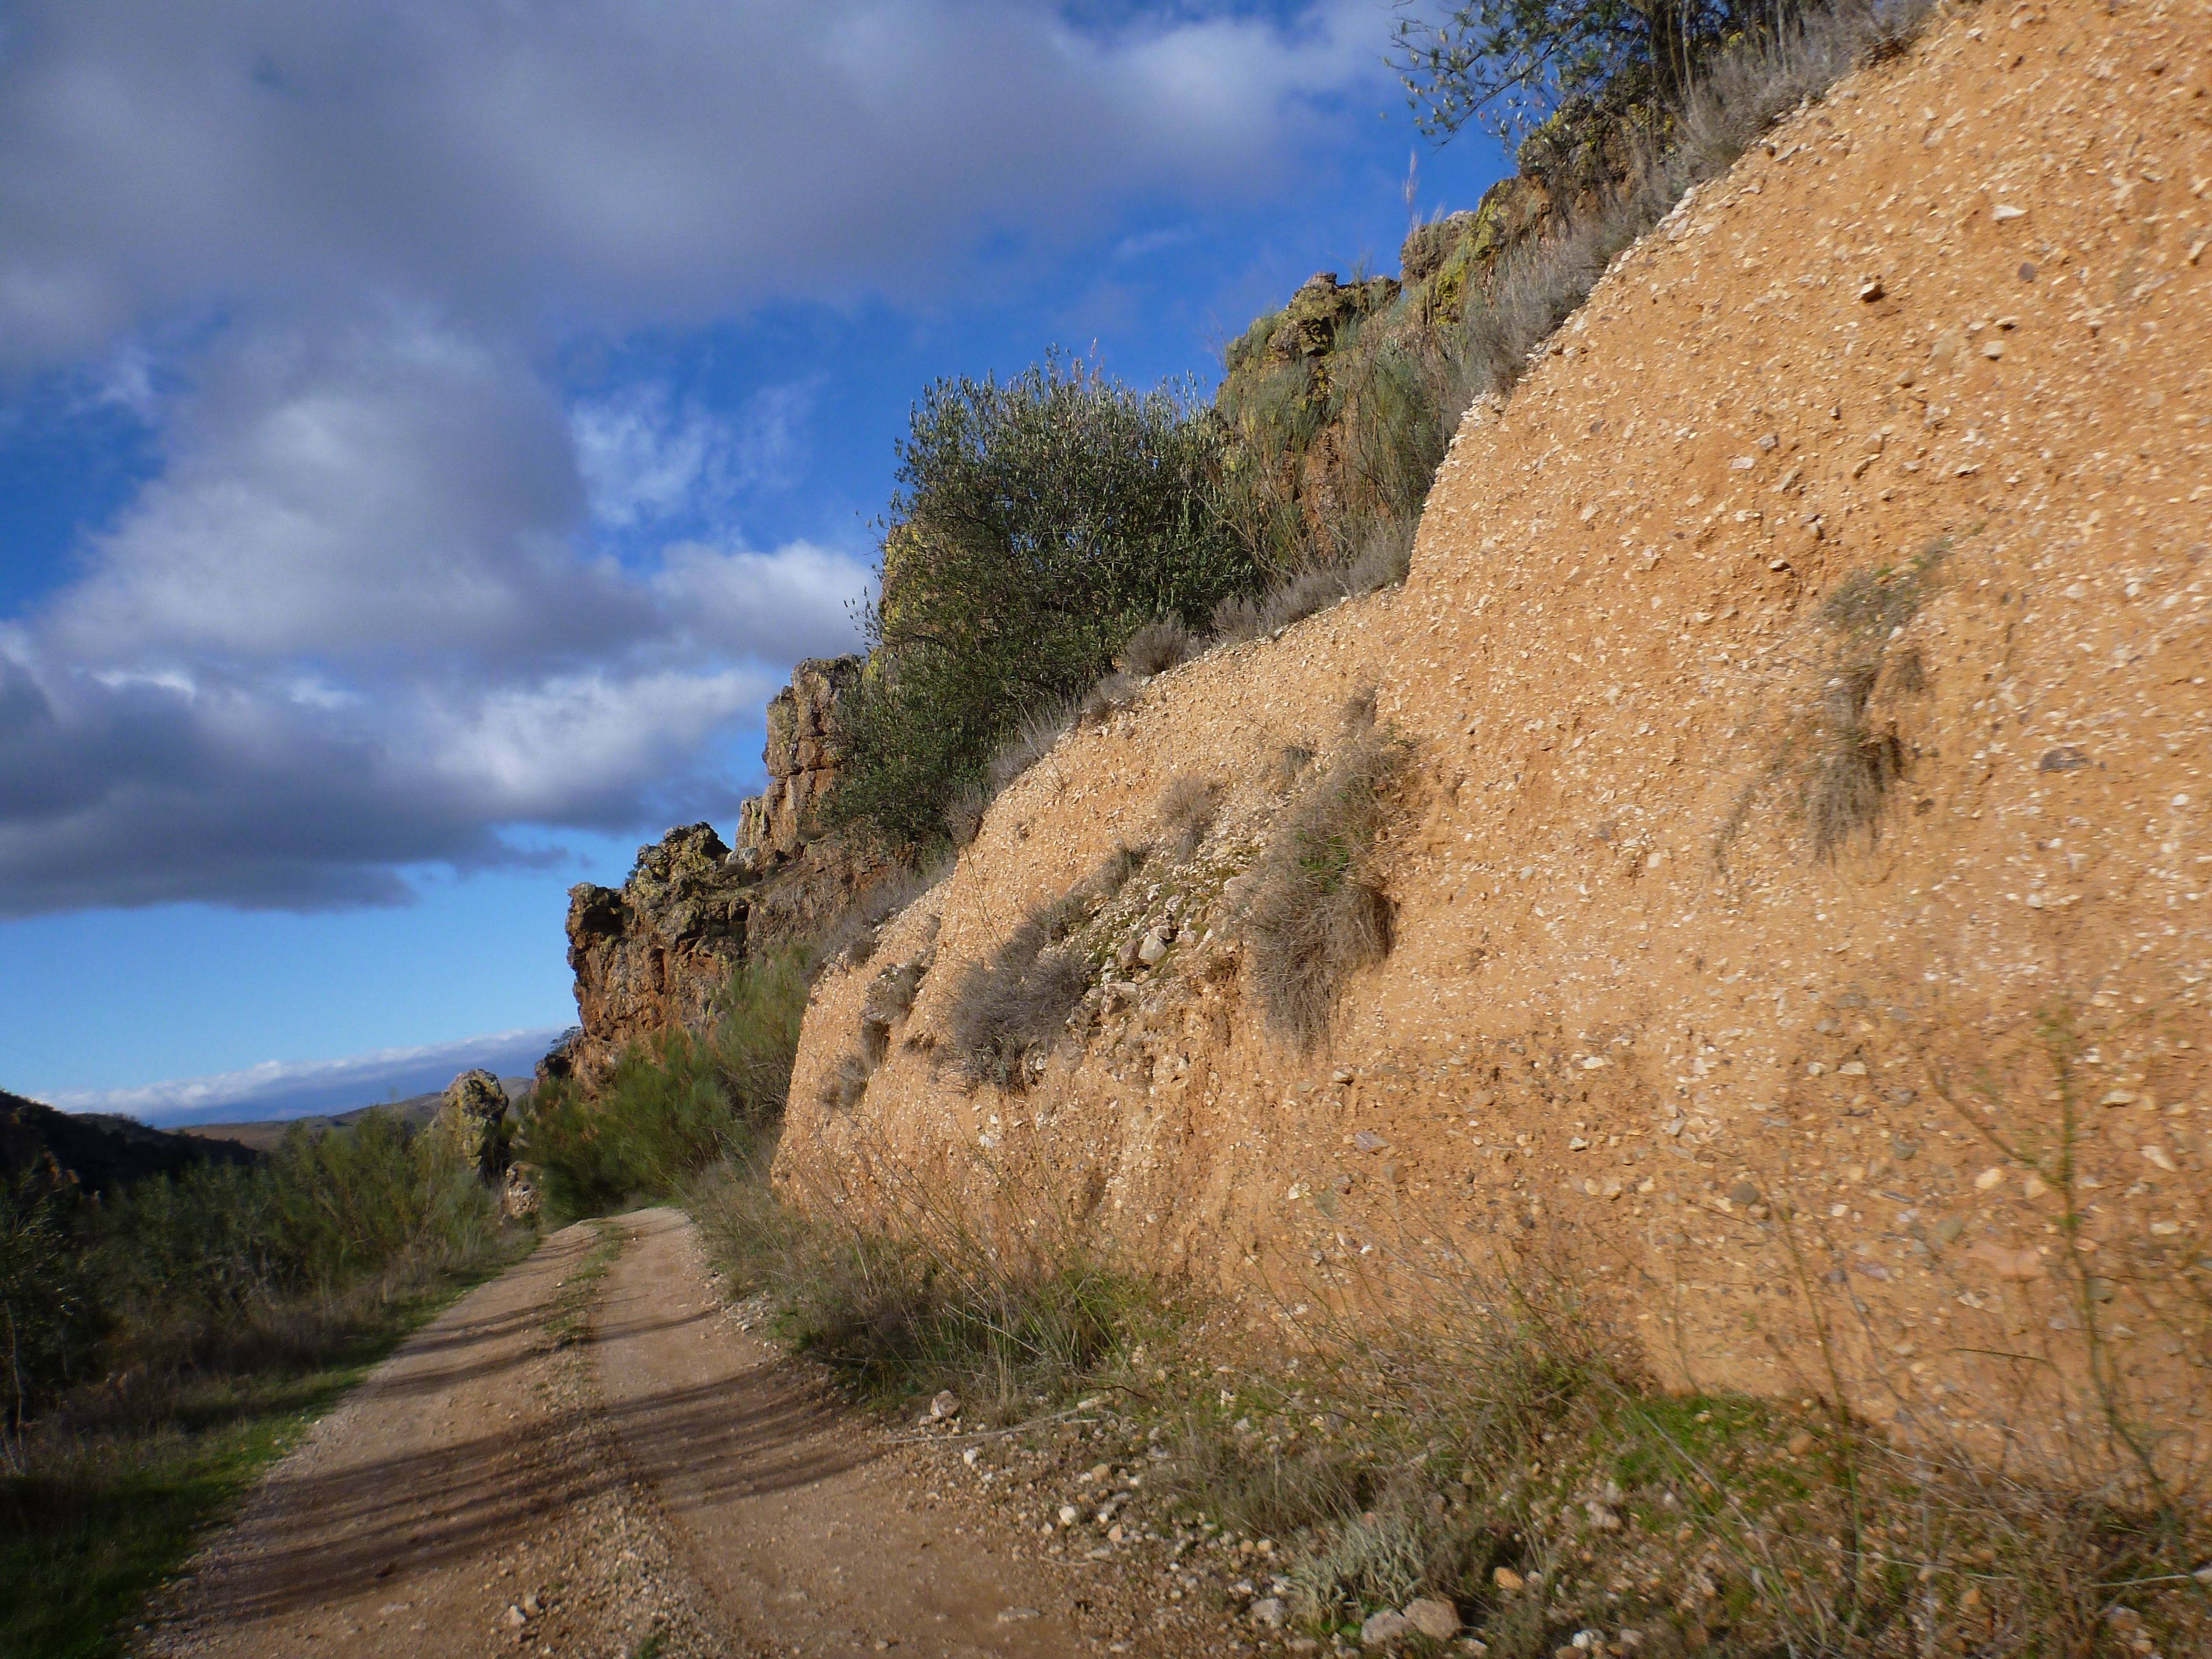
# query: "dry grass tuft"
1159 645
1013 1005
1380 561
846 1082
1319 912
1856 759
963 815
1292 761
1854 764
1186 811
1108 698
1032 739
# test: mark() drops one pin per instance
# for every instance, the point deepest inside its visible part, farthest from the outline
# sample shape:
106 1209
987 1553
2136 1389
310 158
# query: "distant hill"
265 1136
98 1150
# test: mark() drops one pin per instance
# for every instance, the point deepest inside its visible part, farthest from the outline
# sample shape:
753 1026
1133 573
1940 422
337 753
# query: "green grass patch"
102 1514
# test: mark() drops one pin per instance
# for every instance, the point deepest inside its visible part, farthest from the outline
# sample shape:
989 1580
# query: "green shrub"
46 1315
330 1207
1038 523
1516 61
675 1103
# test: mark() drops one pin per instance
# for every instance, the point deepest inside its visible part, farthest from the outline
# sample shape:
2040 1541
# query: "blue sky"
429 432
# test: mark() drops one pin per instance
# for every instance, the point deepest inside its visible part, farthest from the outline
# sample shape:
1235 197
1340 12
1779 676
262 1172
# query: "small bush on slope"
1016 1001
1319 912
1039 523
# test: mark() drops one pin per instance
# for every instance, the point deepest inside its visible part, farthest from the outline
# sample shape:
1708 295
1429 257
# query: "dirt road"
668 1486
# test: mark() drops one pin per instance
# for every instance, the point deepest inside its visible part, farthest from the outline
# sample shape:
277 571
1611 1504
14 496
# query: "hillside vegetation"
163 1336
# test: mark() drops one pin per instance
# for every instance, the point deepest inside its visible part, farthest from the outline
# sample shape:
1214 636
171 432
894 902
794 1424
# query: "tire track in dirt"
670 1486
796 1528
470 1474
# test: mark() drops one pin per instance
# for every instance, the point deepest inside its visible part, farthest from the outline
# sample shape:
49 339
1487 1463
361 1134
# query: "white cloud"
648 460
388 485
527 750
299 1088
356 625
794 602
627 163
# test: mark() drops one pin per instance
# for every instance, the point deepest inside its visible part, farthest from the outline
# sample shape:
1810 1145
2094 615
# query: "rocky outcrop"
801 756
654 953
470 1121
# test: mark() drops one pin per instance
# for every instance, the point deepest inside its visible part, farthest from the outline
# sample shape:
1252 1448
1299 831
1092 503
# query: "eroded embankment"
1867 494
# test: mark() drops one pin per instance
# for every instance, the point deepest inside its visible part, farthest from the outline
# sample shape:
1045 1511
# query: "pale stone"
1438 1620
1381 1629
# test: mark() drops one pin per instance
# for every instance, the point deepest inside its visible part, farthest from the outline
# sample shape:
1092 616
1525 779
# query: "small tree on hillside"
1513 63
1038 523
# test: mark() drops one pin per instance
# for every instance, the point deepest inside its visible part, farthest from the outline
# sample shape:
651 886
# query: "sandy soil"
649 1479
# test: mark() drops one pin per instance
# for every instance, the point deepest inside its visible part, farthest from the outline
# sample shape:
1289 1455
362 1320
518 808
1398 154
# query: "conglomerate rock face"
654 953
1802 921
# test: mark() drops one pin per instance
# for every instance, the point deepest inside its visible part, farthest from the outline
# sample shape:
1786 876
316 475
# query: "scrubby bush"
330 1207
1319 912
675 1103
1514 62
1038 524
46 1315
895 1314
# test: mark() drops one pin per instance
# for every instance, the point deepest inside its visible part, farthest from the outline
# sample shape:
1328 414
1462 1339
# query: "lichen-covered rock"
518 1196
470 1122
1321 311
801 756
